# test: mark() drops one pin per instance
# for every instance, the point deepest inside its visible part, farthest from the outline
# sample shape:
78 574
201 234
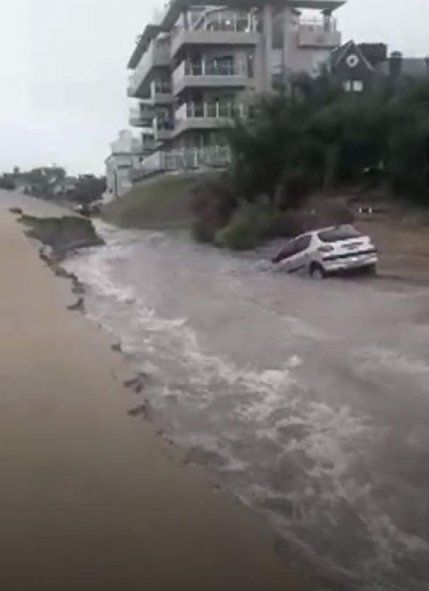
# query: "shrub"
240 234
212 203
252 224
204 230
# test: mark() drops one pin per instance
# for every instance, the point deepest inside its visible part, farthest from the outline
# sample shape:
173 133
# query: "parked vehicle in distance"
328 251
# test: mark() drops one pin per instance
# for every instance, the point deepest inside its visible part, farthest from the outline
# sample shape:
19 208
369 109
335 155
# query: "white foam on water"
372 358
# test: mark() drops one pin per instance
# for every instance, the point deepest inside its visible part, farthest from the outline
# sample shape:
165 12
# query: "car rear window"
339 234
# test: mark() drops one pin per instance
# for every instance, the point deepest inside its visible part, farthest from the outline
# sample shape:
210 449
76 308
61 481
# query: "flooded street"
309 400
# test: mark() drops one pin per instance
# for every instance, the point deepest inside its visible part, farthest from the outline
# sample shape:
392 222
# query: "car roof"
324 229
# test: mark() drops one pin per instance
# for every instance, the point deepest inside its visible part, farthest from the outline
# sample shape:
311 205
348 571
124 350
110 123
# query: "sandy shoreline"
91 498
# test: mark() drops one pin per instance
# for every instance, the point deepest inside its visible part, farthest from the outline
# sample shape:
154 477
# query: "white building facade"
126 157
201 66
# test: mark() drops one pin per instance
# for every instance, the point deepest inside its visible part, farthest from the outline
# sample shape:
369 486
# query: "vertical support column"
287 56
268 46
185 20
263 56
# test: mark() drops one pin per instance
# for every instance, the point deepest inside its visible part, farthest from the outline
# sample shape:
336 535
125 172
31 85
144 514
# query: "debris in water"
140 411
78 306
138 383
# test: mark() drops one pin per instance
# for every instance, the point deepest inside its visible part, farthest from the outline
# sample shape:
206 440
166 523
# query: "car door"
298 255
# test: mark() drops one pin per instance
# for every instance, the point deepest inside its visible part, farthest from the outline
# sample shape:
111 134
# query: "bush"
204 230
242 233
253 224
212 203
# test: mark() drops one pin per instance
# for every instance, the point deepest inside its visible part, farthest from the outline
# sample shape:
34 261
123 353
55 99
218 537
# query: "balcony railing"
142 115
216 19
205 68
161 92
223 72
161 87
163 129
213 26
213 110
318 33
158 54
191 158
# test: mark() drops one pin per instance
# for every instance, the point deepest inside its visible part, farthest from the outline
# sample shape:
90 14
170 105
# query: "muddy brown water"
309 400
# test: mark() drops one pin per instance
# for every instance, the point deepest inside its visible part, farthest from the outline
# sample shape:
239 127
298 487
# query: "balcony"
207 116
160 93
156 56
206 74
142 115
194 158
163 129
216 27
188 159
318 34
149 145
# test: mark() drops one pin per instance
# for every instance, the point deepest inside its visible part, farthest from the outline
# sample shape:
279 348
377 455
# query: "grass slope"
158 203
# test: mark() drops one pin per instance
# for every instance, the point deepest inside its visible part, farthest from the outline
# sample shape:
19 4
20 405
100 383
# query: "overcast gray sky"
63 70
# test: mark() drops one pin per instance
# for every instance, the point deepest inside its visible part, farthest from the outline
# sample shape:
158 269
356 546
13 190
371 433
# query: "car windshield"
339 234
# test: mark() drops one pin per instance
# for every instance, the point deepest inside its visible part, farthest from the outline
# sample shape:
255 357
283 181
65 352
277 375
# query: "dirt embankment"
163 202
62 234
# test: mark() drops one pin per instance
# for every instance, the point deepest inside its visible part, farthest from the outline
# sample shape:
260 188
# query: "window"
302 244
293 248
353 86
220 66
339 234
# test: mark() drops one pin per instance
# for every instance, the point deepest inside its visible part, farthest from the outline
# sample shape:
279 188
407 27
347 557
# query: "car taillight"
326 248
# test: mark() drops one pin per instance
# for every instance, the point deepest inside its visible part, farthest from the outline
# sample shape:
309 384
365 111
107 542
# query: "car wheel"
317 272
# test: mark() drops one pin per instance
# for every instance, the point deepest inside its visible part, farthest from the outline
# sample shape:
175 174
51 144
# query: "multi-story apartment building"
202 65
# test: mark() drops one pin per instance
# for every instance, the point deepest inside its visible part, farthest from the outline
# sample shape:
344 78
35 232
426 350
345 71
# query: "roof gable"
350 57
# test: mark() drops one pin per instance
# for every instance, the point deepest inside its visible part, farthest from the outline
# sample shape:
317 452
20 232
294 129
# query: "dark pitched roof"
340 53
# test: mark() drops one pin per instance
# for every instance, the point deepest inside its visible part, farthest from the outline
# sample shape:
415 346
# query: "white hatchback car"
328 251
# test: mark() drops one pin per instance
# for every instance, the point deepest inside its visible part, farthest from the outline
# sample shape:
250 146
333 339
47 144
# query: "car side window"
302 244
293 248
288 251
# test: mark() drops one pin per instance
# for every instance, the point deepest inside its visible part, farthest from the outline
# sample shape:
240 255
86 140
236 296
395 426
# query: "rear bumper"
364 260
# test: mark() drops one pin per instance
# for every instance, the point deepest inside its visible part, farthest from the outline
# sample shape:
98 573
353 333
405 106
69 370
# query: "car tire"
317 272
